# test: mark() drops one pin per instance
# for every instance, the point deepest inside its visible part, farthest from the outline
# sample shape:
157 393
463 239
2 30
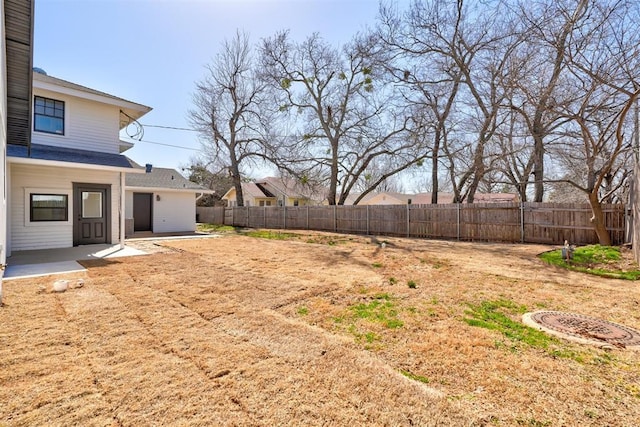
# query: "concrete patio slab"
45 269
46 262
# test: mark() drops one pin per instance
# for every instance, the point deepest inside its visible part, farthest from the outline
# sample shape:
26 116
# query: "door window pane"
91 204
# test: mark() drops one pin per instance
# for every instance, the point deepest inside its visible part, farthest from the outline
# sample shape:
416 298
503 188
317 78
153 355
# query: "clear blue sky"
153 51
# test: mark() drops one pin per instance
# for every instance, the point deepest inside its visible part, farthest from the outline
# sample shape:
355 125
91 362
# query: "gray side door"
91 214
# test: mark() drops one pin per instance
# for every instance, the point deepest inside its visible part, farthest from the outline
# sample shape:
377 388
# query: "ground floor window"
49 207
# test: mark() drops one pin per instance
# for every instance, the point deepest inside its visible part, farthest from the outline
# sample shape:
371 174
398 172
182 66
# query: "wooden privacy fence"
550 223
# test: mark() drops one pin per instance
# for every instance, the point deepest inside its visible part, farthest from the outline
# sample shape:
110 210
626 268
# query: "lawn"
315 329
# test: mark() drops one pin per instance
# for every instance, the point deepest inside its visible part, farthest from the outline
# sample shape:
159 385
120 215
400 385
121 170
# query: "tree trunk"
598 220
234 169
237 183
478 172
538 168
333 180
434 167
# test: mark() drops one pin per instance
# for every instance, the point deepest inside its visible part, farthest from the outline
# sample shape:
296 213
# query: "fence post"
264 221
248 223
284 216
307 217
367 220
335 218
408 220
521 222
458 220
233 217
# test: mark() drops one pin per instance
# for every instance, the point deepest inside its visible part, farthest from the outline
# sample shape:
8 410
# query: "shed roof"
162 178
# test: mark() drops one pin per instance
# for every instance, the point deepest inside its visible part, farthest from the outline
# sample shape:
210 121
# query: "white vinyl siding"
88 125
26 235
174 212
128 204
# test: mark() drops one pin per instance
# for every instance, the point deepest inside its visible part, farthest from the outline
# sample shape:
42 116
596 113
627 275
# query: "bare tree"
549 26
372 174
458 58
603 62
214 178
345 119
427 79
228 110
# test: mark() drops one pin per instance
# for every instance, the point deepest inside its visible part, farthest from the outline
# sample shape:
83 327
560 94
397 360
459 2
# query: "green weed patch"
493 315
381 310
414 377
215 228
270 234
593 259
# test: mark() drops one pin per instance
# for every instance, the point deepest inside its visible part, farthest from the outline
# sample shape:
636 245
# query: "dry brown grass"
247 331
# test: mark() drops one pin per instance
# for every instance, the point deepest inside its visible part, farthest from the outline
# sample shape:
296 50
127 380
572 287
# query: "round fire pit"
584 329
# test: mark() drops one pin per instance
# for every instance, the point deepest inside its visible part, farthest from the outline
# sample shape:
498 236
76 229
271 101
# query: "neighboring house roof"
163 178
495 197
68 155
425 198
293 188
131 109
249 189
254 190
399 198
264 190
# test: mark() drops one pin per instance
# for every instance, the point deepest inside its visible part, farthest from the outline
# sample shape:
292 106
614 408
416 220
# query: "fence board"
321 218
210 215
434 221
352 219
549 223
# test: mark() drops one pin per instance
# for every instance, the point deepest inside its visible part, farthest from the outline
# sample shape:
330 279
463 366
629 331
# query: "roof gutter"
170 190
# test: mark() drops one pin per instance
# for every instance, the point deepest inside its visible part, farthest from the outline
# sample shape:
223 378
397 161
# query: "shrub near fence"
550 223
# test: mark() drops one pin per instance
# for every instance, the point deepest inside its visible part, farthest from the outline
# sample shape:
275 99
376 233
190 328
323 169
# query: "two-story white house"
67 187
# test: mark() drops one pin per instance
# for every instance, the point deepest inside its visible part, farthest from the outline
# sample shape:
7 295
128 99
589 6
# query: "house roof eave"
168 190
72 165
54 84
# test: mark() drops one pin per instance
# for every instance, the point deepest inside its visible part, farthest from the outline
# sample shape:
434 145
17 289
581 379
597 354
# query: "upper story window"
48 115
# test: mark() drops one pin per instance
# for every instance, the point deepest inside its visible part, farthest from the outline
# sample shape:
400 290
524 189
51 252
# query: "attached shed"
161 201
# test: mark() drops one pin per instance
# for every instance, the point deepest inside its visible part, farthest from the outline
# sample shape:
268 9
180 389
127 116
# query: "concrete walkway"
43 262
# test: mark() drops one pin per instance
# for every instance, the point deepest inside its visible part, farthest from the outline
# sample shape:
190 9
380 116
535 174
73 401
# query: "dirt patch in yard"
320 329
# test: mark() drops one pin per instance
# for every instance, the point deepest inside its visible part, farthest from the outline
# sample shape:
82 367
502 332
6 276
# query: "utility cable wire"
168 127
167 145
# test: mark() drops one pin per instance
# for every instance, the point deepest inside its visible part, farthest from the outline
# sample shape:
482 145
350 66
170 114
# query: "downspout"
199 197
122 219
